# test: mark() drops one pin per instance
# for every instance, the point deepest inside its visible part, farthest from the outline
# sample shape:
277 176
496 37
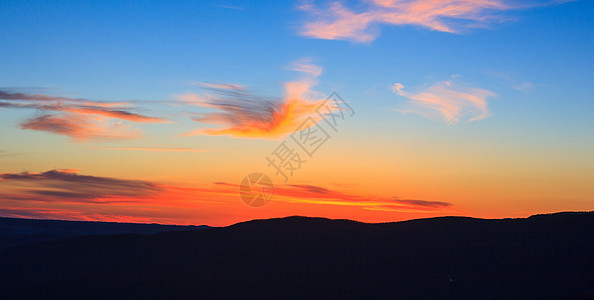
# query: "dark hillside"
546 256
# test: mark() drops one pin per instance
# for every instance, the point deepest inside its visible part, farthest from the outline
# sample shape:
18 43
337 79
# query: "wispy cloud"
450 100
425 203
338 22
81 127
81 119
231 7
16 96
510 80
321 195
312 194
526 87
6 95
312 188
240 113
220 86
66 185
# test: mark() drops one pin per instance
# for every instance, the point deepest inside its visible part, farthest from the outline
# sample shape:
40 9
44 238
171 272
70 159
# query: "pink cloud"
338 22
449 100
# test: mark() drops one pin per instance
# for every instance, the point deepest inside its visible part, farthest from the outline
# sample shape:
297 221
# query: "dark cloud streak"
68 186
425 203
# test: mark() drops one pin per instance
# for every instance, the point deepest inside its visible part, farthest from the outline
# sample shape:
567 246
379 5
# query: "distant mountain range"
16 232
540 257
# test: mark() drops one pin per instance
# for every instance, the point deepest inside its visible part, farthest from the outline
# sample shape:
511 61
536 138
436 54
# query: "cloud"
319 195
66 185
221 86
231 7
113 113
512 82
80 119
424 203
304 66
5 95
338 22
240 113
526 87
81 127
224 183
312 188
312 194
450 100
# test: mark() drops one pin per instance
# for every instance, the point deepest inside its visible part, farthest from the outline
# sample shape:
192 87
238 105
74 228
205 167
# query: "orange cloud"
81 127
83 120
243 114
448 99
340 23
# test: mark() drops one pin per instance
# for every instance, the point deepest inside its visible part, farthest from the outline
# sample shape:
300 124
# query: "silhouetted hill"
16 232
545 256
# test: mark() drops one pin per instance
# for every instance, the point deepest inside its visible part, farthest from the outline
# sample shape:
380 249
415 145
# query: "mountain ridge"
17 231
543 257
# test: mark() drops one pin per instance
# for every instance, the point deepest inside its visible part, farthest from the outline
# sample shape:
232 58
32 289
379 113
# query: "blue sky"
149 50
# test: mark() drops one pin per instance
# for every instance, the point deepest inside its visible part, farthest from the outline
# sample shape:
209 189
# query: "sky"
174 112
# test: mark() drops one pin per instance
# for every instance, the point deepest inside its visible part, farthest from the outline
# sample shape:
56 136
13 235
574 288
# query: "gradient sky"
154 111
